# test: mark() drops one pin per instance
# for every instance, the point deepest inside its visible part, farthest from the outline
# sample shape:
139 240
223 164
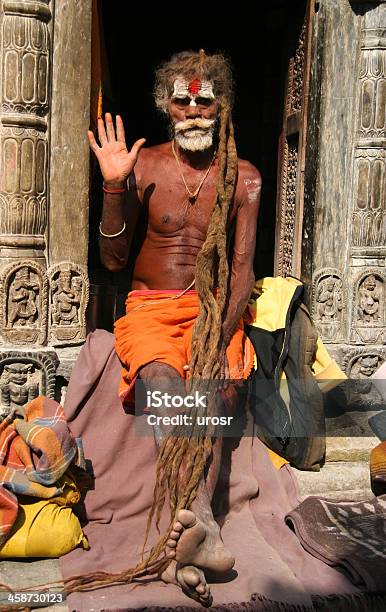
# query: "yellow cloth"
43 529
277 461
46 528
71 493
326 370
270 300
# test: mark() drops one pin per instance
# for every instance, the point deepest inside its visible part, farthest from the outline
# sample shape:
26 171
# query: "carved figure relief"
66 299
18 385
328 304
23 299
69 291
24 303
362 364
366 366
24 376
370 300
330 299
369 313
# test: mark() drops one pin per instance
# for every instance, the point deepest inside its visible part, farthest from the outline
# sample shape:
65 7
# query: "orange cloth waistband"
145 292
158 328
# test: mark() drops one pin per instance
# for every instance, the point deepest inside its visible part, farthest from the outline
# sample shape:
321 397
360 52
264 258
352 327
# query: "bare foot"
193 542
191 580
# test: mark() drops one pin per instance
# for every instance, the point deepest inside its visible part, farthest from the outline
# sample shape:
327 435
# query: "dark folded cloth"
378 424
350 536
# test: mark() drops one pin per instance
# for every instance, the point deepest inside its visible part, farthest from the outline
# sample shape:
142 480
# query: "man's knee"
162 377
159 371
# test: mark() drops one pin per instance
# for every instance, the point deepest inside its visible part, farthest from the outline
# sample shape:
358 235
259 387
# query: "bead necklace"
192 195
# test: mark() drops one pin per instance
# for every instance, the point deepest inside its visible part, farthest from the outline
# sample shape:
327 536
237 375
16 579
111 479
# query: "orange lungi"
157 328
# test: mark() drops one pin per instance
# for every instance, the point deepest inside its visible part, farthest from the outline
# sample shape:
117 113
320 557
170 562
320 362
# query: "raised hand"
115 161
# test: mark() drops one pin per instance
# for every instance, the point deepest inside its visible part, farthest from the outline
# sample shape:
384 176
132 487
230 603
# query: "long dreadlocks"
183 458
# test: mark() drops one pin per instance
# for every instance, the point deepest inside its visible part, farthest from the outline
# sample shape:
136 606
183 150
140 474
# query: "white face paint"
192 90
194 134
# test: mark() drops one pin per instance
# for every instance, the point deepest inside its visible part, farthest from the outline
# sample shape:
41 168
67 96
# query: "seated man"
185 199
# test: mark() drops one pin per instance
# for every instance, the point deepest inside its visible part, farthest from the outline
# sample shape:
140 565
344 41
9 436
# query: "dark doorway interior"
258 38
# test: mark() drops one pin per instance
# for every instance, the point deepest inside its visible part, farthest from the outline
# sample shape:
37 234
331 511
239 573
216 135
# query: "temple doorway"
260 40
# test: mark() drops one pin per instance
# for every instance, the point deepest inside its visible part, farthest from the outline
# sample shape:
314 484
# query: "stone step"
29 573
337 479
349 449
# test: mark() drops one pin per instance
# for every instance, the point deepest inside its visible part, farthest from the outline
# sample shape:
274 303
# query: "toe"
171 543
187 518
178 527
171 554
193 583
191 577
175 534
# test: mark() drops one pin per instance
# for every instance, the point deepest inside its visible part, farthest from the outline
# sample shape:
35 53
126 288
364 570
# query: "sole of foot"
193 542
191 580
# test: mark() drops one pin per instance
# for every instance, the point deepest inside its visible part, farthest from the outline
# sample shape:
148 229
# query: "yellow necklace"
193 195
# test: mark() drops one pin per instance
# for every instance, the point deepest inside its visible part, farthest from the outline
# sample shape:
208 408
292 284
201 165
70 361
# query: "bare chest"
171 209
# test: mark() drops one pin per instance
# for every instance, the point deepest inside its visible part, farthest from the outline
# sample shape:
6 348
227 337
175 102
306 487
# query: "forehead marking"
194 86
182 89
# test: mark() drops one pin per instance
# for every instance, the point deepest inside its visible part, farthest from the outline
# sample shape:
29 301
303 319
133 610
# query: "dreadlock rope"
182 458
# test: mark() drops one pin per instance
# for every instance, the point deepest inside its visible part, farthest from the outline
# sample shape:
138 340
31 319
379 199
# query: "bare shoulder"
149 159
248 171
157 152
248 186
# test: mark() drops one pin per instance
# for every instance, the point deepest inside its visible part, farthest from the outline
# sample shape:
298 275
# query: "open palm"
115 161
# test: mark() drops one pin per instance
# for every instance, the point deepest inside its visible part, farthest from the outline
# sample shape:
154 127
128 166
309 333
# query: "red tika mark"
194 86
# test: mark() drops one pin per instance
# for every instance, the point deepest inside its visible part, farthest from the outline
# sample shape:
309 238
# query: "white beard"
195 134
195 140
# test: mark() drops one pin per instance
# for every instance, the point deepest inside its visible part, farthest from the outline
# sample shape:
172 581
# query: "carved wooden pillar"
348 257
44 182
25 71
367 223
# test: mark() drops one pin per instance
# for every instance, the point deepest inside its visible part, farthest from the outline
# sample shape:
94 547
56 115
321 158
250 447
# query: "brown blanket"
350 535
272 572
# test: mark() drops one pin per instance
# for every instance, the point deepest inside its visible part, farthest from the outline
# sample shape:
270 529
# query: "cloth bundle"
36 451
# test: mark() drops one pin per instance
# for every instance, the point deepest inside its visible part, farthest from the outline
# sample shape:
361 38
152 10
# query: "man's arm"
242 275
120 208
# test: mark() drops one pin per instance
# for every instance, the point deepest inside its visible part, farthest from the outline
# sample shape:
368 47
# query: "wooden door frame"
292 153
